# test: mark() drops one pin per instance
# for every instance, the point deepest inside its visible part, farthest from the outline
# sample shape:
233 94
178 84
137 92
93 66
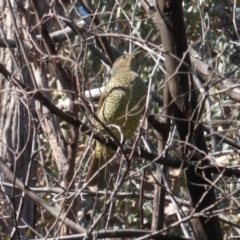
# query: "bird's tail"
100 157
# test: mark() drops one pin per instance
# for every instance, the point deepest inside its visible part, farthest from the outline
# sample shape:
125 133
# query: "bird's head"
124 62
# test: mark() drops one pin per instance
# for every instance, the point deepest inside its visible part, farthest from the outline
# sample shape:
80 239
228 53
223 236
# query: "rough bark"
17 140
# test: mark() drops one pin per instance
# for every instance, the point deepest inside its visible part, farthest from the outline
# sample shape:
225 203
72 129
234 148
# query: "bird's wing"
113 104
109 90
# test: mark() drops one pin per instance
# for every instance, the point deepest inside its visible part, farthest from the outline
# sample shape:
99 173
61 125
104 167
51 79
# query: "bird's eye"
124 56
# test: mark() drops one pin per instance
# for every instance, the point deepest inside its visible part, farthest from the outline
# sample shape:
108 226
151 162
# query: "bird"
121 104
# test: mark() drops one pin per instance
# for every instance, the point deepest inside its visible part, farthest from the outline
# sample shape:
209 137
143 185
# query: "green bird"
120 109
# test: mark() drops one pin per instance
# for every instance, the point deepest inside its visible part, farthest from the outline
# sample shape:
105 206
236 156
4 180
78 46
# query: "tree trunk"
17 136
168 17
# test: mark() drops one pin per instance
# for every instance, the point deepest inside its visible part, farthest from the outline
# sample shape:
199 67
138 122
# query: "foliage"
212 30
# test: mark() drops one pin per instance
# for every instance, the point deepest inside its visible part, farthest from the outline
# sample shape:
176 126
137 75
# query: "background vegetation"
55 56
